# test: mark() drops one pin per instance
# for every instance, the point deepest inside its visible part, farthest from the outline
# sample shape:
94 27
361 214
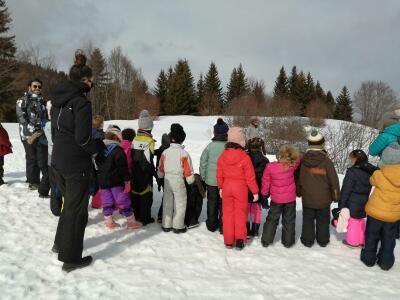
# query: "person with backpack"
144 170
208 167
318 185
114 181
165 143
73 151
175 167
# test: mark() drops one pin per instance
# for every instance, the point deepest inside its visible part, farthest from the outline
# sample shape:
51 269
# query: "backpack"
142 172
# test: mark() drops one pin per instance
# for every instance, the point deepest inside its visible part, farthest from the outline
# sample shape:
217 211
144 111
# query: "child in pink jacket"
278 181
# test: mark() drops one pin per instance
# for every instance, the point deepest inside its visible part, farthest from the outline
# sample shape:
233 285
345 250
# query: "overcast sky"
341 42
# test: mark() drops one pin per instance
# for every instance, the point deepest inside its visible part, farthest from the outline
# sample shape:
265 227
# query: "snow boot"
194 225
384 267
177 231
256 229
33 186
166 229
111 224
239 244
132 223
84 262
2 181
249 230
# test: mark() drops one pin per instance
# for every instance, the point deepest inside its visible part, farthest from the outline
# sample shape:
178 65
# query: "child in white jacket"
175 165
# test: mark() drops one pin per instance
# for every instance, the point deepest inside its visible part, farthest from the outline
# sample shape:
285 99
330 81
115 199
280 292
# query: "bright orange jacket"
384 203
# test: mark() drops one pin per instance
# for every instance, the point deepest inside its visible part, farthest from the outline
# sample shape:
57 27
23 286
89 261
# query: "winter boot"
132 223
166 229
84 262
33 186
256 229
182 230
2 181
249 230
239 244
111 224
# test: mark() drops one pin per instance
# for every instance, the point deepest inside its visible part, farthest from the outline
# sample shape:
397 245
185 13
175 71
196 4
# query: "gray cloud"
339 42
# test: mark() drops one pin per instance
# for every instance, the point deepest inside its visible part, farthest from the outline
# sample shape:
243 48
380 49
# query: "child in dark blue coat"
355 192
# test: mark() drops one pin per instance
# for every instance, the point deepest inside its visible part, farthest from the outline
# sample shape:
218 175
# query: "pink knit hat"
235 135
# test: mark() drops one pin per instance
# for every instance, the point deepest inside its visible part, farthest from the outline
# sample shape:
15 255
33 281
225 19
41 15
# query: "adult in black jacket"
73 152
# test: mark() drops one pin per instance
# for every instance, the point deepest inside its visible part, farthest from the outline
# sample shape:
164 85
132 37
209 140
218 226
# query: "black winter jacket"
71 125
259 162
113 168
356 190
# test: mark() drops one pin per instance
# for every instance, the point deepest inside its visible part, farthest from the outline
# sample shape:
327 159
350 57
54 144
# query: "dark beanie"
221 128
177 133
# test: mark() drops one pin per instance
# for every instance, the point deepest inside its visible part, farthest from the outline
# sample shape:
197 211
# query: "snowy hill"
150 264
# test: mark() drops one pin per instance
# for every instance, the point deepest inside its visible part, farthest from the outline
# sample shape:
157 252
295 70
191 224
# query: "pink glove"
127 188
220 193
255 197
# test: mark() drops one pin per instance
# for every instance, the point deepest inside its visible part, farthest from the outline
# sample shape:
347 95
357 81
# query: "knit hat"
390 118
315 138
145 120
235 135
221 128
177 134
390 156
115 131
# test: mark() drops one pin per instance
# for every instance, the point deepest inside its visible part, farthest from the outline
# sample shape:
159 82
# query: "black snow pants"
214 209
288 213
74 216
141 205
315 226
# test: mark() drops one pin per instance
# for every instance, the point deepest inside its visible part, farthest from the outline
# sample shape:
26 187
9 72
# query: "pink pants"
254 213
356 232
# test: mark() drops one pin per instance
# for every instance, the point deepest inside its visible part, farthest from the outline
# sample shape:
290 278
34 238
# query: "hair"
256 144
128 134
288 154
79 69
109 135
97 120
34 80
360 156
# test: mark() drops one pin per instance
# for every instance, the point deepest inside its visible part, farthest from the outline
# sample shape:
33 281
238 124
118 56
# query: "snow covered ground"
150 264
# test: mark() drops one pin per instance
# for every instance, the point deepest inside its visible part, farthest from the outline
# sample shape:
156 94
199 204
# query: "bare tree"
317 111
210 105
372 100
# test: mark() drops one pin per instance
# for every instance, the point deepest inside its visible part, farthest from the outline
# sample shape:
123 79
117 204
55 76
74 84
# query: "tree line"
121 89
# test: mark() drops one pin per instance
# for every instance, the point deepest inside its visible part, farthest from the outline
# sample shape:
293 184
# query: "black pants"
288 212
315 225
55 194
141 205
1 167
36 156
74 216
375 232
214 209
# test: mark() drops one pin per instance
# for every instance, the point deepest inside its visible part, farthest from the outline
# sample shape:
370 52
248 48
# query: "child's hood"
313 158
392 174
233 156
393 129
110 146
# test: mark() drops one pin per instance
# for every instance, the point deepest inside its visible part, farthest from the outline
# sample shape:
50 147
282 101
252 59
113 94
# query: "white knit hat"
114 131
315 138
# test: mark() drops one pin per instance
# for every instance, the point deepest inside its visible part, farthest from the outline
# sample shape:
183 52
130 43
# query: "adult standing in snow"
73 151
253 130
32 117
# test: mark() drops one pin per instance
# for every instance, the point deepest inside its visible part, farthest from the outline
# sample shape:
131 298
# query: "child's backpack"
195 195
143 172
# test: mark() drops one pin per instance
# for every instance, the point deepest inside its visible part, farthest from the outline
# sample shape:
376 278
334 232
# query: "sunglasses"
37 86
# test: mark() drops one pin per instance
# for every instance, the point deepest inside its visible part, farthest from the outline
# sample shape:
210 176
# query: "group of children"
240 181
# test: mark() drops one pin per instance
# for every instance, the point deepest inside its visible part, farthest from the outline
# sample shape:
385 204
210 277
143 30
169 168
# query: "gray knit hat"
145 120
390 156
390 118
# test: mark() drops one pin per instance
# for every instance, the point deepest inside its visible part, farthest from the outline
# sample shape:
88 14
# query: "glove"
220 193
255 197
264 202
127 187
30 140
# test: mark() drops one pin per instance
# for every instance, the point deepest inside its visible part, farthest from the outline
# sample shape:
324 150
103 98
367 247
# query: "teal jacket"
208 162
386 138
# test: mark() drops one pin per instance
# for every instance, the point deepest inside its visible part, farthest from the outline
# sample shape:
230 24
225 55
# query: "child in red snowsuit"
235 176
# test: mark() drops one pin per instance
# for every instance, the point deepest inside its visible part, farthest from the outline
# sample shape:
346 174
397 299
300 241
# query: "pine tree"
200 89
319 92
181 96
7 65
343 110
238 85
161 90
301 92
281 89
98 96
212 84
293 82
330 100
231 88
